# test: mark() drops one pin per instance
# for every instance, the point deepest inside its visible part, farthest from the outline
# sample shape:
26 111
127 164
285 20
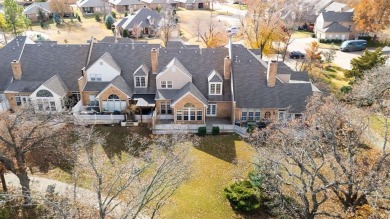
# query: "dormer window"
140 81
215 88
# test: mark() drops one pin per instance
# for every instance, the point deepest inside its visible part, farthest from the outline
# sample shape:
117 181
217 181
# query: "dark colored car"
297 55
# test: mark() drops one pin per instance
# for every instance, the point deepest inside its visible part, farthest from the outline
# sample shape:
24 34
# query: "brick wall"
112 90
198 105
85 96
11 98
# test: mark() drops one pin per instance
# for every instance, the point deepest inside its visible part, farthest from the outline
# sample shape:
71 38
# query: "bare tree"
29 139
322 158
209 31
169 25
136 31
141 180
59 6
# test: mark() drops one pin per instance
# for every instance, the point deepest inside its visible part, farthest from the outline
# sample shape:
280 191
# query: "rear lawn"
218 160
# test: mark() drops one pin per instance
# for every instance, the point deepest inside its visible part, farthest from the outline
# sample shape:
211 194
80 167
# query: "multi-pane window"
250 115
166 108
166 84
96 77
92 100
140 81
22 100
212 110
179 115
199 115
244 116
215 88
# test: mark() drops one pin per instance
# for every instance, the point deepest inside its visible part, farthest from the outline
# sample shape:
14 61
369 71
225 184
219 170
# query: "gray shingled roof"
57 85
126 2
142 71
64 60
191 89
335 28
111 39
331 16
90 3
199 62
251 90
216 77
321 5
140 18
158 1
166 94
120 83
190 1
23 86
34 7
129 57
95 86
300 76
335 6
8 53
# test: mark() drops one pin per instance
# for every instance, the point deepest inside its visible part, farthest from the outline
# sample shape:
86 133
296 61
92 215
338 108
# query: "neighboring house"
127 5
156 4
93 6
142 22
335 25
32 11
193 4
175 88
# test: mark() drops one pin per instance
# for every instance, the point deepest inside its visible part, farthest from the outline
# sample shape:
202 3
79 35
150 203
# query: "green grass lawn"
377 124
218 160
301 34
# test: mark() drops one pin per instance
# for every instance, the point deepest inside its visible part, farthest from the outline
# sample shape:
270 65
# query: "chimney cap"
14 61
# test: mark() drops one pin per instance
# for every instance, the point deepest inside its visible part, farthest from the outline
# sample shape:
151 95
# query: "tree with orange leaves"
372 15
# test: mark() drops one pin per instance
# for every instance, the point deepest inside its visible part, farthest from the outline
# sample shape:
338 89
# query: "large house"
127 5
142 22
93 6
32 11
172 87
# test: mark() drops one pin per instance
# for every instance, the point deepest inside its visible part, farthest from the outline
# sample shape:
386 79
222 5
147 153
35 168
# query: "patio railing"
98 119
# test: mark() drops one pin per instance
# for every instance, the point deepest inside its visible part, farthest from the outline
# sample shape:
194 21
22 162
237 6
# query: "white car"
233 29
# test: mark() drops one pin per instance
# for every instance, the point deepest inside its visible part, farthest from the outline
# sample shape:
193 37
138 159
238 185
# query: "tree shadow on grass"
116 138
221 147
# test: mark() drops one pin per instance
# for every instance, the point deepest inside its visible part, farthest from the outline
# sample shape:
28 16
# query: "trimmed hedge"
215 130
329 41
202 131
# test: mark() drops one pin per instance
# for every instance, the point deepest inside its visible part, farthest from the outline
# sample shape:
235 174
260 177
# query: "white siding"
100 67
174 74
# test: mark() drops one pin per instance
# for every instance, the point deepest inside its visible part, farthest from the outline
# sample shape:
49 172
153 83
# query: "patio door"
212 110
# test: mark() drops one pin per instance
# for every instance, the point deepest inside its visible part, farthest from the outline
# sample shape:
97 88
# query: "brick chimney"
154 60
271 73
16 69
227 66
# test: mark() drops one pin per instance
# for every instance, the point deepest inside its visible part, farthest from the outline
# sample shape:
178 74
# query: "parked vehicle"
353 45
297 55
233 29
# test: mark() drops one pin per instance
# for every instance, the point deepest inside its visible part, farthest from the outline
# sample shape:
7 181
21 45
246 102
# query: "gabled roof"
321 5
189 88
335 27
91 3
214 76
251 90
34 7
8 53
107 58
125 2
176 63
57 85
199 62
180 45
96 86
140 18
143 70
336 6
121 84
332 16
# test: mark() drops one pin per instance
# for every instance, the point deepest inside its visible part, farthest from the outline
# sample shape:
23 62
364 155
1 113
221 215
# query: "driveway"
234 19
342 59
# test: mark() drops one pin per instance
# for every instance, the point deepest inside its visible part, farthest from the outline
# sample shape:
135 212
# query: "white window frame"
96 77
209 111
253 115
92 98
23 100
136 78
214 91
166 106
166 84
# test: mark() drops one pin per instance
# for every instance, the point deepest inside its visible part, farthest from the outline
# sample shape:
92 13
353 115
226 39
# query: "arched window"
267 115
44 93
189 105
113 97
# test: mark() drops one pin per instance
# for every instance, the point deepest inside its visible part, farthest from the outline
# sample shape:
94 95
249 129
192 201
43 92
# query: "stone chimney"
16 69
227 67
271 73
154 60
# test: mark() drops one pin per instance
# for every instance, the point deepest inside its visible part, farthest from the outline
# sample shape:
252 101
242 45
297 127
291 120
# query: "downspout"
232 80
